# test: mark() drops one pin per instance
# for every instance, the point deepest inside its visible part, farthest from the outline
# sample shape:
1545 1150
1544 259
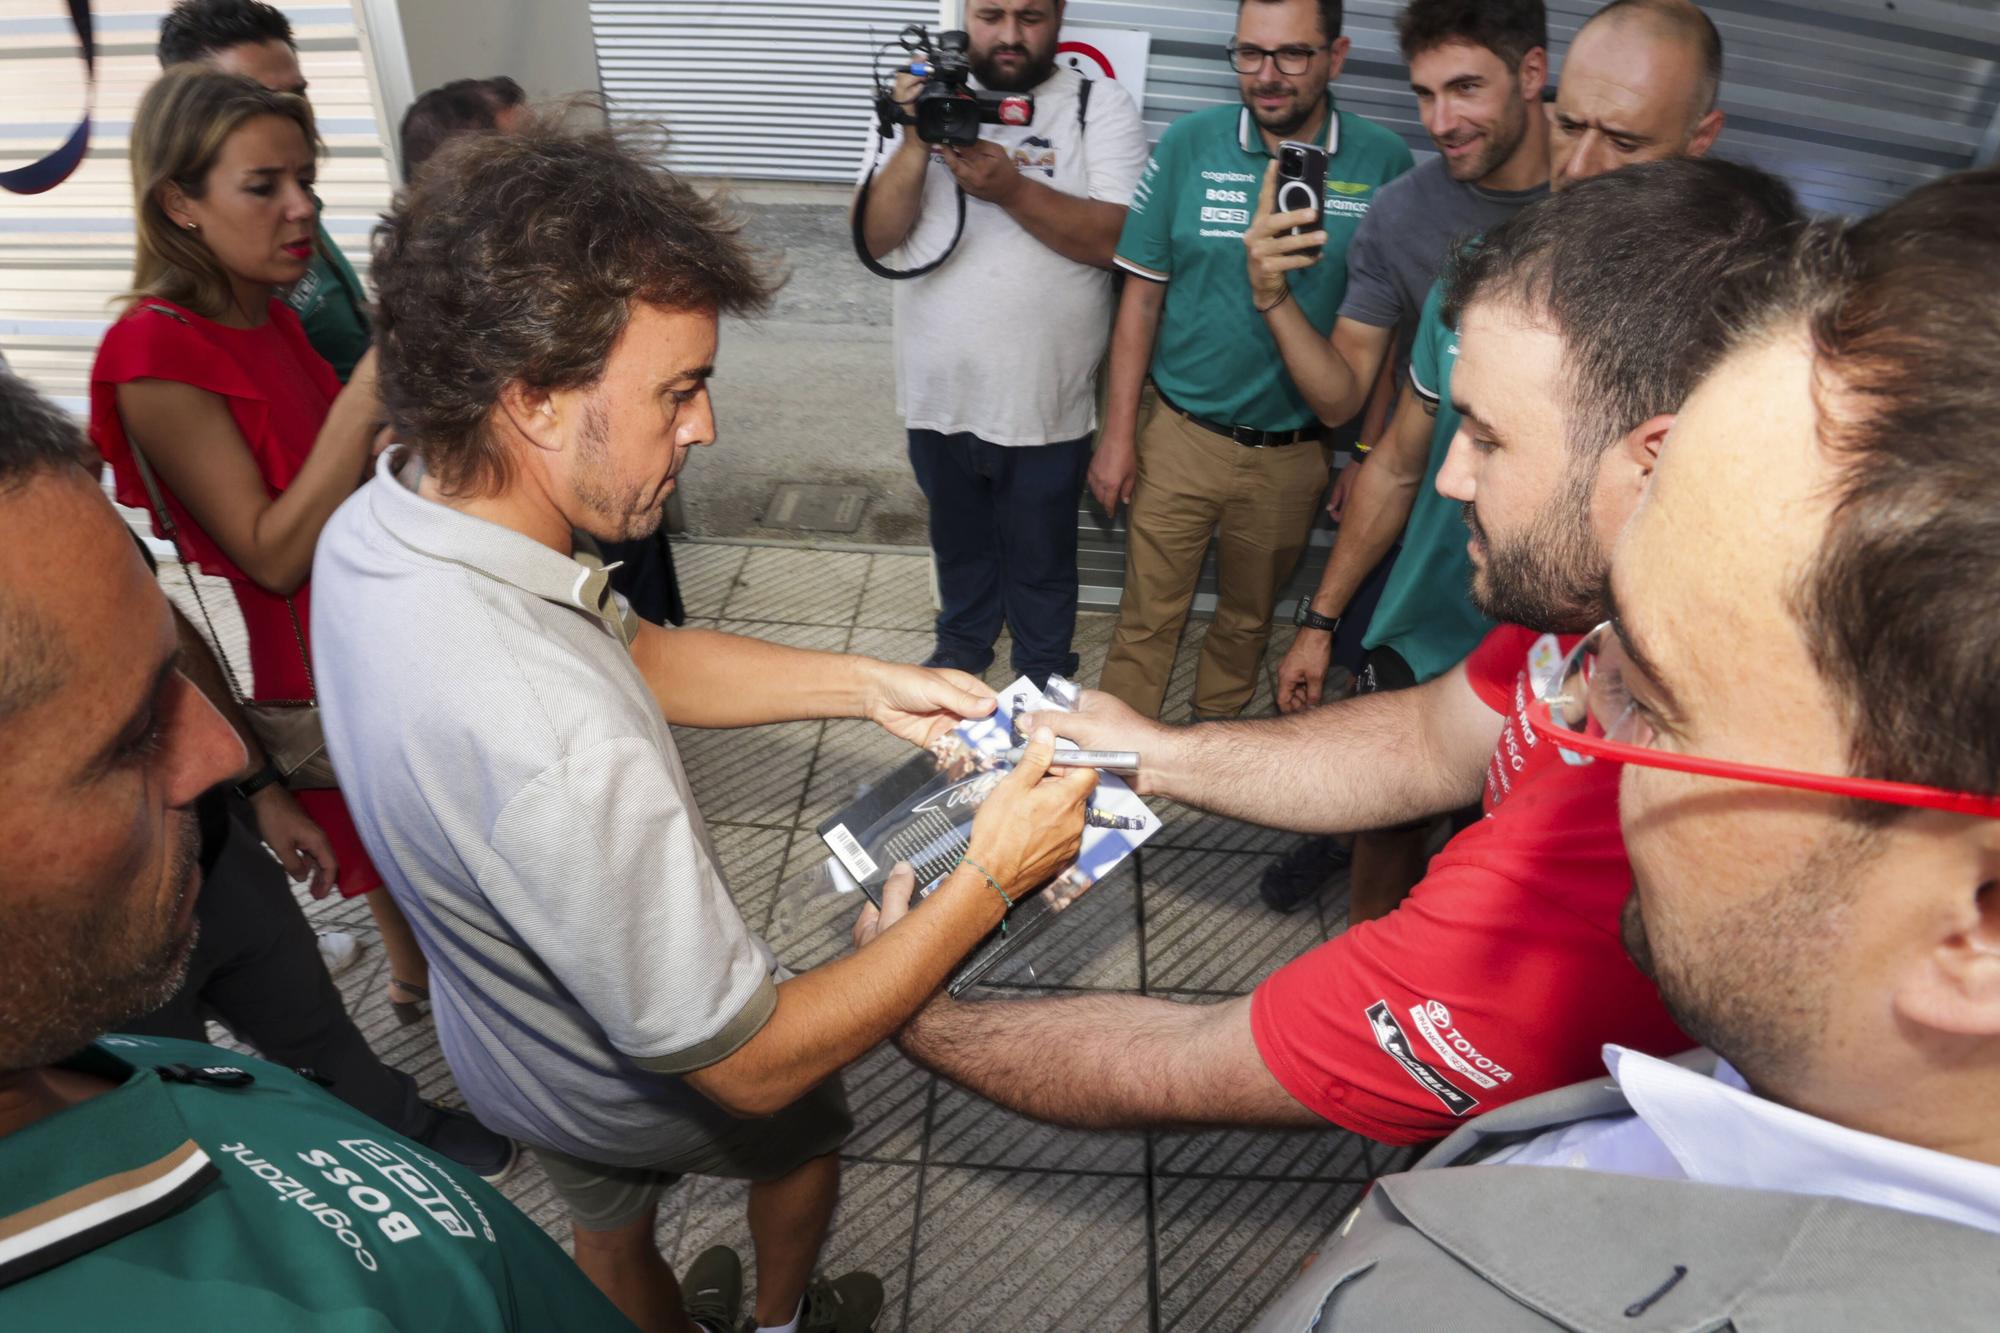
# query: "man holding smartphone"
1478 68
1231 448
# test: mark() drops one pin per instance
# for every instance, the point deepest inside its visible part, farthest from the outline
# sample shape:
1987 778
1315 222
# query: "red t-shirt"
1502 974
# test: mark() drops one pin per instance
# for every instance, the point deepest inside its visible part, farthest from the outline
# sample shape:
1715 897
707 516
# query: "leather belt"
1245 435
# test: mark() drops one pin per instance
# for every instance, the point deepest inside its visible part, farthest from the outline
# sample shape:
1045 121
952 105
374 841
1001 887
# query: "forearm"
287 531
1106 1061
1132 336
1377 509
1317 368
1077 228
1372 761
706 678
832 1015
895 197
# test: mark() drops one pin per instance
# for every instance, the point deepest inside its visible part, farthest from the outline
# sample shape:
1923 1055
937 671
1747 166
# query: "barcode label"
848 849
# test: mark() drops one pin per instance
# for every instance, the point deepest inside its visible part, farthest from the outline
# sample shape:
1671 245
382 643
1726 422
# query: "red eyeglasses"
1592 715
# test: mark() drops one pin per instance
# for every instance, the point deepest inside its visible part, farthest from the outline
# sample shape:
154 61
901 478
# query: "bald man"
1639 85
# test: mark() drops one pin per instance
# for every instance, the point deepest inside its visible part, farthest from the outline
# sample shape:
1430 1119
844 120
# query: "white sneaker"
338 950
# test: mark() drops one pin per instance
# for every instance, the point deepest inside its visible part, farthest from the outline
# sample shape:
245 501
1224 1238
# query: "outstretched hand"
920 704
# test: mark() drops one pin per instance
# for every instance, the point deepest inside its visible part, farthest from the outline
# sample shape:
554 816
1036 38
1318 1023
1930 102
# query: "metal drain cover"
808 507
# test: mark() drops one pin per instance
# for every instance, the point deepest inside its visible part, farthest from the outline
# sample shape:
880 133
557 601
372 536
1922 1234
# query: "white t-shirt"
1003 339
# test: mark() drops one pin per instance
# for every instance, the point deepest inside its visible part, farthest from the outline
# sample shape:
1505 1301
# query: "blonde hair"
182 123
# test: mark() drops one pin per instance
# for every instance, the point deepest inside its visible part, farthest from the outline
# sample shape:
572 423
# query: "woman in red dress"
208 374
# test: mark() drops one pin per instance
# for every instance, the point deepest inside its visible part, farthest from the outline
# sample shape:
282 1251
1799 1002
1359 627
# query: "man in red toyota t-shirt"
1502 975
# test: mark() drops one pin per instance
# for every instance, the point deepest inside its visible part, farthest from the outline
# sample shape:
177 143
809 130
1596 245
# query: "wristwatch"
259 780
1307 618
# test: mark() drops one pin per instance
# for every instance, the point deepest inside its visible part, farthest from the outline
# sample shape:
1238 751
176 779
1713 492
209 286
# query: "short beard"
619 508
1501 143
1551 577
1760 1007
67 978
1035 70
1284 125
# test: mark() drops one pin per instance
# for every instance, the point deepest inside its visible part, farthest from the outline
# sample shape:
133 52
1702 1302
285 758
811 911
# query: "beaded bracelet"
1007 904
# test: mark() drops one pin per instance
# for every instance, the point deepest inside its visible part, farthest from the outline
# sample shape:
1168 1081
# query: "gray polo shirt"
517 786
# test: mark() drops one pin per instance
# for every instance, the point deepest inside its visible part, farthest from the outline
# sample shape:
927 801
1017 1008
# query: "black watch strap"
259 780
1307 618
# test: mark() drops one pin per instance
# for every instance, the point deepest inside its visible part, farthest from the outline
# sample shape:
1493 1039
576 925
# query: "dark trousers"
645 577
256 967
1003 531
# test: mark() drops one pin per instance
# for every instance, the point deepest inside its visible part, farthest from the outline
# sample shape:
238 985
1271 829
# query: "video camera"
947 110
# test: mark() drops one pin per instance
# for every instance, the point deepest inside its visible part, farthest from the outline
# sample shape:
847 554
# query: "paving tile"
752 858
1328 1153
798 586
967 1130
707 573
1094 942
1030 1251
1185 826
872 1229
1227 1248
854 753
890 1100
897 595
1091 641
1206 929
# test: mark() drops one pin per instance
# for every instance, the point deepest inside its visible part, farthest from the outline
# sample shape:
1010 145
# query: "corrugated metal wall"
66 253
751 88
1854 101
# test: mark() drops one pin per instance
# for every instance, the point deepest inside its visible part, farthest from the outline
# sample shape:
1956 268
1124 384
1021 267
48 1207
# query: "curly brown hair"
517 258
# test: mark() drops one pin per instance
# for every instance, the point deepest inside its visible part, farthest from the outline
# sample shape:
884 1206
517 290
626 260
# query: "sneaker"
847 1304
338 950
712 1290
941 659
456 1134
1302 874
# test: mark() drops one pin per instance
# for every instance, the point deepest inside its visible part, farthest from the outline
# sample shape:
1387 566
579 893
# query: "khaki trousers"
1259 505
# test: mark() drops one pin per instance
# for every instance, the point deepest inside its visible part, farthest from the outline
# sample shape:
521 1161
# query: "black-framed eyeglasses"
1291 59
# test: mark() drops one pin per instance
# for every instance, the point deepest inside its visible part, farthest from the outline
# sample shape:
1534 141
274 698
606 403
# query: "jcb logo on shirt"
1239 217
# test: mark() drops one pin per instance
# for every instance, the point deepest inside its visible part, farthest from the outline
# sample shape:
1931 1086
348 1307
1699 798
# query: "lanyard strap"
55 168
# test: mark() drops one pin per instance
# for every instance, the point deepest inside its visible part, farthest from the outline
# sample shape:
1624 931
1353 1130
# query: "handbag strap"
171 531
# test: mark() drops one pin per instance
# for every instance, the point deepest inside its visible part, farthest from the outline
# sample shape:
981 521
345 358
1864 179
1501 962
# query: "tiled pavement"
974 1217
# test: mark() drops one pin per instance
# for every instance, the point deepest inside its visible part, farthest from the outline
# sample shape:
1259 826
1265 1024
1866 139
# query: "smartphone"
1302 184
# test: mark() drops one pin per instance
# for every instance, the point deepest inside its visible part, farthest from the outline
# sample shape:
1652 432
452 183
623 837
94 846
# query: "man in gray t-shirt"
548 305
1478 73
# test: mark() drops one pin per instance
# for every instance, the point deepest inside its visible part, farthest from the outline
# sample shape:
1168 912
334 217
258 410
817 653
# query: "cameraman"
997 349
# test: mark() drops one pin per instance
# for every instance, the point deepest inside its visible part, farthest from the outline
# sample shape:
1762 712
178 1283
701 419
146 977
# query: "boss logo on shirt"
1389 1035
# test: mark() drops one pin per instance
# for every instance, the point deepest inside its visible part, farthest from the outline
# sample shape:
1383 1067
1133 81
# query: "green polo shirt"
1214 355
331 304
179 1201
1426 613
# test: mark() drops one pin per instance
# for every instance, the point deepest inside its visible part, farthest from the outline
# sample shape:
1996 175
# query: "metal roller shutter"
65 254
750 88
1854 101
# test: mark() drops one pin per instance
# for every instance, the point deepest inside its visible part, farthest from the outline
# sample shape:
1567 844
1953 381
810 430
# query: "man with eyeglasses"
1231 448
1478 68
1503 973
1810 747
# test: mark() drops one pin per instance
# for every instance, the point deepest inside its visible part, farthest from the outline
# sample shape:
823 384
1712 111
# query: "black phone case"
1302 183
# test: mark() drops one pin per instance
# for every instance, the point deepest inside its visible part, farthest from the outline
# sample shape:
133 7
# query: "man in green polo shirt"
168 1183
1231 449
254 40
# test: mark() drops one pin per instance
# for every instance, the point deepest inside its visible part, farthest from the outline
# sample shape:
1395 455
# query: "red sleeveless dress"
278 391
